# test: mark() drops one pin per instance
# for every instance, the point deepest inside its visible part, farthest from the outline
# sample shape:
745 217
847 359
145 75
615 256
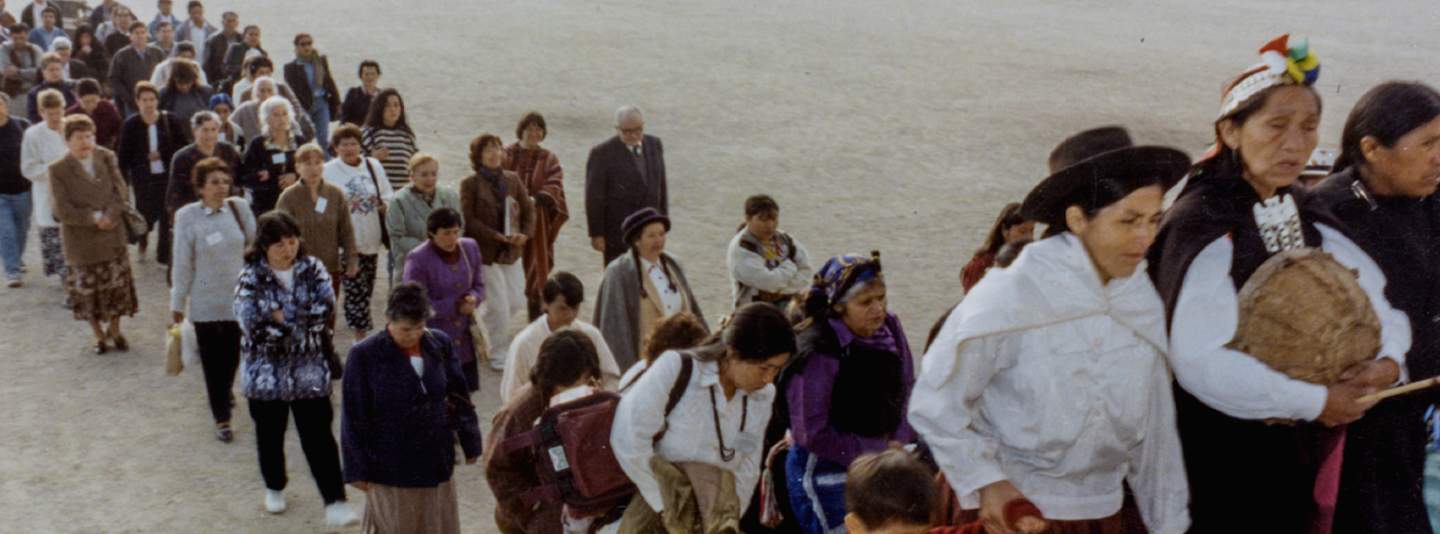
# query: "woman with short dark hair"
149 140
357 100
388 137
211 236
540 171
448 266
499 216
89 198
399 439
285 303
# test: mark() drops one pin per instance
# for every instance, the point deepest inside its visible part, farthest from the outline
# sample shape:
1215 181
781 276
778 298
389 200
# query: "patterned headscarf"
840 274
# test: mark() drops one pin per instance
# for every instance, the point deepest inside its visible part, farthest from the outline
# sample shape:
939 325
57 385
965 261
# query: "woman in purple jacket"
449 267
848 391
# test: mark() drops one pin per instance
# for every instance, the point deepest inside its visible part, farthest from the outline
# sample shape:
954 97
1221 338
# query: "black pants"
312 421
219 357
150 202
472 374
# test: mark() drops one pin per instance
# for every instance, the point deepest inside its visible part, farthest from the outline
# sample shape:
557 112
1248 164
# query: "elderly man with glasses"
623 175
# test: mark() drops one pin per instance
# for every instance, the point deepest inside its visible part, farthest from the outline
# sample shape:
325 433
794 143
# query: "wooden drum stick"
1401 390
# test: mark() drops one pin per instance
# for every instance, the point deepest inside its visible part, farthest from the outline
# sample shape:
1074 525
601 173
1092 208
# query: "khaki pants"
697 498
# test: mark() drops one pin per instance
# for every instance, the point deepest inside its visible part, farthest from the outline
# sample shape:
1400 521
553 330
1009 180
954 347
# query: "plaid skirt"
102 291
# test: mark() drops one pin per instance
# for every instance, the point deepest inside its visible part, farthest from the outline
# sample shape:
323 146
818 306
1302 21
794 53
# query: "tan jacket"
324 233
482 213
78 197
651 311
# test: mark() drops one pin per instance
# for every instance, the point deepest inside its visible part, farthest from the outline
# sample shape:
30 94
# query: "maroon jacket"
107 122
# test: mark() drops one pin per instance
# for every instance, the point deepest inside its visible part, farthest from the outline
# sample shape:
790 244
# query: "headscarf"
221 98
837 281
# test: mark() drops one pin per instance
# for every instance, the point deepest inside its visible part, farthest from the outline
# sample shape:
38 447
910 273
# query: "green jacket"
405 220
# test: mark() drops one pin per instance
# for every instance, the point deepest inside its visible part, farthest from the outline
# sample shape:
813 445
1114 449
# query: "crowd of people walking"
1087 382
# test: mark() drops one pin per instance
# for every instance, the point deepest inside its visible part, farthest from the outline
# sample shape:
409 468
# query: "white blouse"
691 434
670 300
1207 314
40 147
1048 379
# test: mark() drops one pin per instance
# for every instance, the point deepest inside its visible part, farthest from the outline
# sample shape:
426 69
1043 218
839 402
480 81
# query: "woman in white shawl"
1047 387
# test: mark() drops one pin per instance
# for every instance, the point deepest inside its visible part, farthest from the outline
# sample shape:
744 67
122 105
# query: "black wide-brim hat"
1079 164
636 222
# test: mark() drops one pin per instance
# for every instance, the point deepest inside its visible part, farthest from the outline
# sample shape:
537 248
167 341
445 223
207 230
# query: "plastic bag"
189 344
173 365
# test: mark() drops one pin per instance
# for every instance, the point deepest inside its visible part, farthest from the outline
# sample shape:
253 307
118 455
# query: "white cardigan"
40 147
1047 379
691 435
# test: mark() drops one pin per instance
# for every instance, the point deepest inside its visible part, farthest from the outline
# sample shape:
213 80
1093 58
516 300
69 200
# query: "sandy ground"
899 126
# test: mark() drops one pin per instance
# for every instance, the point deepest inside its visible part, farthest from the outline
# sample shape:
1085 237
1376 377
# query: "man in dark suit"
309 77
218 45
624 174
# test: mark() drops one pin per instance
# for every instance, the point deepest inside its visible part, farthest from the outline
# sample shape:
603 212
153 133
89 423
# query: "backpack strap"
682 382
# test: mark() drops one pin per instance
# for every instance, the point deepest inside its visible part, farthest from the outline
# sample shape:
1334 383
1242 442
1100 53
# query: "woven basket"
1304 314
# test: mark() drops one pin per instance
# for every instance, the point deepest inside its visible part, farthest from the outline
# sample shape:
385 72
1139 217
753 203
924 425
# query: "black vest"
1264 473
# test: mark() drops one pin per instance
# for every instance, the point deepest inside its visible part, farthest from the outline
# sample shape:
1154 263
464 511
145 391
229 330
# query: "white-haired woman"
269 164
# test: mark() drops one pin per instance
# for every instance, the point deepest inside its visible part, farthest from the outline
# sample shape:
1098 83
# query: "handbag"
130 219
478 341
384 232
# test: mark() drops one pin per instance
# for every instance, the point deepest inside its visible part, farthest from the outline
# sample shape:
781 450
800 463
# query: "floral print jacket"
284 360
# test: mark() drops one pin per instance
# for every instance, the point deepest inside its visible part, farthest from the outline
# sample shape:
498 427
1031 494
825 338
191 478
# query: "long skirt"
392 509
102 291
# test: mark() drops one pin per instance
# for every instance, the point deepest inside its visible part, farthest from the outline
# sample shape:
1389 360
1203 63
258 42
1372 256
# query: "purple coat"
810 392
448 283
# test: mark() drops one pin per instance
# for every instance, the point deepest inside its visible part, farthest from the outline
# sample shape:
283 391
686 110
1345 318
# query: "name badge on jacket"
320 205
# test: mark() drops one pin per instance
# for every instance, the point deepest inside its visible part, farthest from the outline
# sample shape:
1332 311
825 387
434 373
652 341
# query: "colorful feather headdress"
1280 64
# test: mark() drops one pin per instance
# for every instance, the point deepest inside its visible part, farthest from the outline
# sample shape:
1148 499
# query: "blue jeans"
320 115
14 228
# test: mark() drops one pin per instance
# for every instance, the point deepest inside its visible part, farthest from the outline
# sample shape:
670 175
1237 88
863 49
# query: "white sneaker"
339 514
497 361
274 501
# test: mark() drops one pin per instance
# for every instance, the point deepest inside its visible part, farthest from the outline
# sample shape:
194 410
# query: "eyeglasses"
306 44
635 130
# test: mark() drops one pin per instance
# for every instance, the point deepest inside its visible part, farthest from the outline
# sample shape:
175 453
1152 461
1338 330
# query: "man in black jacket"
218 45
623 175
309 77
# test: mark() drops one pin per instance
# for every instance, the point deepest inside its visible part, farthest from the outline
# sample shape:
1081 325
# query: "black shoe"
120 343
100 348
224 434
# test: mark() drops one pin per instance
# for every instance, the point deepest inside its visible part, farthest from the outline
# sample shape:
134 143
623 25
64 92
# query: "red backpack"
573 458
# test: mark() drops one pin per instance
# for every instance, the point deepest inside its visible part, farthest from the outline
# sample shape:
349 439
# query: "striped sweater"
401 144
